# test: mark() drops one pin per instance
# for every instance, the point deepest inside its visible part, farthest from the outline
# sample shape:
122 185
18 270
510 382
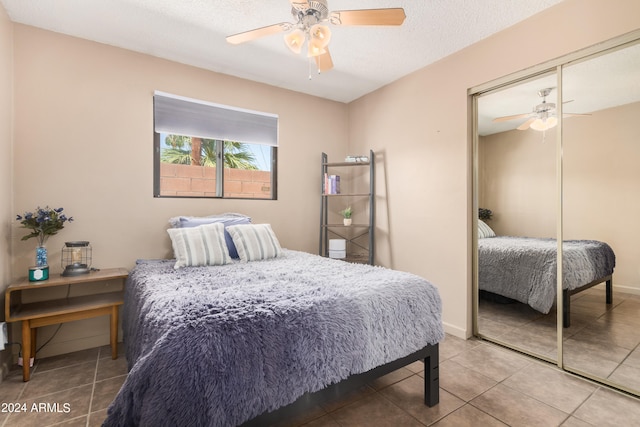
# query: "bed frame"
431 387
566 295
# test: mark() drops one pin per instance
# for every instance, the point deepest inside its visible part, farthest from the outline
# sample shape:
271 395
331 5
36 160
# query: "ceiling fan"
542 117
310 17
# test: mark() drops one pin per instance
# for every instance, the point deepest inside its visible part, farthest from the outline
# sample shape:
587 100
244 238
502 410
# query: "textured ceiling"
193 32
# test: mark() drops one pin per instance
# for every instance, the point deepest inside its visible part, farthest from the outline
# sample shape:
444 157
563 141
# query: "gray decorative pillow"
255 241
202 245
226 218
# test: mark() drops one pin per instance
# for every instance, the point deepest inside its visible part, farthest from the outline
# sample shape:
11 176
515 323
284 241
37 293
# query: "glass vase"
41 256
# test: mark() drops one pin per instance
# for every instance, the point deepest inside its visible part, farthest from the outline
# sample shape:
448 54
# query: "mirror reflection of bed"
525 269
517 179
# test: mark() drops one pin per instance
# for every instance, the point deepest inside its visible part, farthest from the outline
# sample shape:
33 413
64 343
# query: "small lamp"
76 258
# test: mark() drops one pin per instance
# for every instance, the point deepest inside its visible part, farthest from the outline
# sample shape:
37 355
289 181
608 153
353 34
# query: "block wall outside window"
200 181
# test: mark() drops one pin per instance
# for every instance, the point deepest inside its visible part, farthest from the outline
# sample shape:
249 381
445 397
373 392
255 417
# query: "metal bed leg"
566 317
432 378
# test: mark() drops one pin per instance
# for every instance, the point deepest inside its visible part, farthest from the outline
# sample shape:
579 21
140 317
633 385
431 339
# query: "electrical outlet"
4 336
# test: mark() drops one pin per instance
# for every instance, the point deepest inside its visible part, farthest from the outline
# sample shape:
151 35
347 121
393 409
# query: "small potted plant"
484 214
346 216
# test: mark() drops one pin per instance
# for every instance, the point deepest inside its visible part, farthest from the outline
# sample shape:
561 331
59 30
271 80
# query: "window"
193 138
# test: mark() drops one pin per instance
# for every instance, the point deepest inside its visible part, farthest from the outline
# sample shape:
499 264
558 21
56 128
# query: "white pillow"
202 245
484 230
255 241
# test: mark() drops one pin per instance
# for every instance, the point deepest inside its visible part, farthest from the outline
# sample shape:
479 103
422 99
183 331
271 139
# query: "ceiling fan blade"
390 16
300 5
258 33
324 61
526 124
507 118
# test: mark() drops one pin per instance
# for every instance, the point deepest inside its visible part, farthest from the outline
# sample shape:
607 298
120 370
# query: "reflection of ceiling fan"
542 117
310 16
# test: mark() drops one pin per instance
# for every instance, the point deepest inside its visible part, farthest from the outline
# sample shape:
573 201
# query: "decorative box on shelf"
356 159
337 248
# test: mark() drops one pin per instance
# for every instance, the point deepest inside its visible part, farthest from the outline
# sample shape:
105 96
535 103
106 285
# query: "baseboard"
634 290
455 331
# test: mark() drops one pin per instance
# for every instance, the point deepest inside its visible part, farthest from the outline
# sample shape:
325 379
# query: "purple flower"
43 222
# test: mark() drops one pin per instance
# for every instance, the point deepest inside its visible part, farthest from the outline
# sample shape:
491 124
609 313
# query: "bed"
525 269
244 341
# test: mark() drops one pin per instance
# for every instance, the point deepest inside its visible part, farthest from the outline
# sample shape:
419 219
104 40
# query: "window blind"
191 117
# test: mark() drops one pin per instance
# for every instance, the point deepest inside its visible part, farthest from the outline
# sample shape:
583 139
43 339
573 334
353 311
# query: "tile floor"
481 385
82 384
603 340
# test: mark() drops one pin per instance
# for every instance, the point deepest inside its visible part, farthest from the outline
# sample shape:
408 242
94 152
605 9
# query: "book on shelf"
331 184
335 184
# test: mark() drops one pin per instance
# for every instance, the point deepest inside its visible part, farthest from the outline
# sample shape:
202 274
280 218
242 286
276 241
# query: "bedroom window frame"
188 117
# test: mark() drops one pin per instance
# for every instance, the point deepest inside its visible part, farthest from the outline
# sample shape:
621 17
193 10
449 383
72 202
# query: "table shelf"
57 307
53 311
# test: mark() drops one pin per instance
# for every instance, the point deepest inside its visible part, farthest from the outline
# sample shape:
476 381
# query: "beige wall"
83 109
6 206
601 186
420 127
517 181
601 182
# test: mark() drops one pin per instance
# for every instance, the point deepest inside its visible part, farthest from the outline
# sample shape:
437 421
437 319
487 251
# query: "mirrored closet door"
556 156
516 193
601 202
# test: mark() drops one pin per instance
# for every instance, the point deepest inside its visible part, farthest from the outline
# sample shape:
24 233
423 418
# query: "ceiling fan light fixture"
322 33
309 19
294 40
542 124
315 48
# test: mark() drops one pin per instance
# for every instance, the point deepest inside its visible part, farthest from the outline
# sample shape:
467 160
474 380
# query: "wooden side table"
43 313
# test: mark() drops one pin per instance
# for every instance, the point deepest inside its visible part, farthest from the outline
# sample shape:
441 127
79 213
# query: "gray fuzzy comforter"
217 346
524 268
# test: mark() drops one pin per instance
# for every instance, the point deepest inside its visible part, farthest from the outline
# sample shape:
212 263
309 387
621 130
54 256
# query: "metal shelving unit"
360 236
